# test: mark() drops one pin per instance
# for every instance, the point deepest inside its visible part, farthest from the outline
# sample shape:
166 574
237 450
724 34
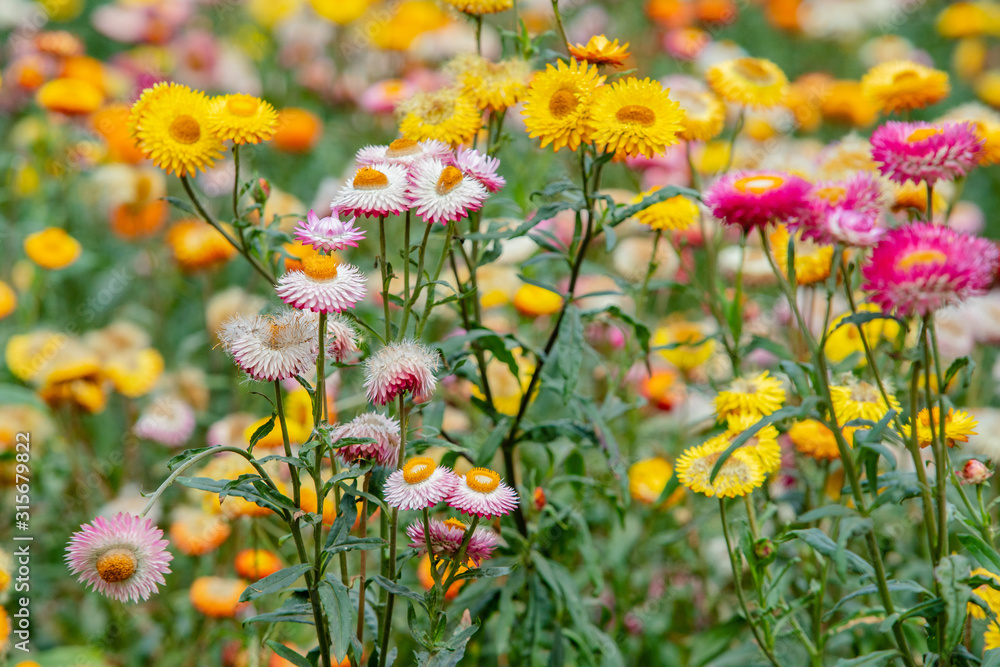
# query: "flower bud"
764 550
539 498
261 191
974 472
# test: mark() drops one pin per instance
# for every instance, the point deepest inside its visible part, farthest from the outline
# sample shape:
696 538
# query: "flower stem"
364 560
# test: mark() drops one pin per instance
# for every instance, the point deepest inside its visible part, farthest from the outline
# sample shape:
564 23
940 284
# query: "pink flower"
447 537
404 152
920 268
481 167
328 234
481 492
269 348
925 152
384 431
418 484
442 192
753 199
847 212
123 558
400 368
852 228
383 96
169 421
322 286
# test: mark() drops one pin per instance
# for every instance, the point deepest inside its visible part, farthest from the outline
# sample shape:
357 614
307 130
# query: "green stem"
410 302
386 627
432 288
653 264
559 25
459 560
740 120
364 561
385 277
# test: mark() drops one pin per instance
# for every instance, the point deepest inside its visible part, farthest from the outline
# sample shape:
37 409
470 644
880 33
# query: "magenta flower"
854 228
752 199
483 493
481 167
375 426
925 152
418 484
399 368
920 268
447 537
328 234
123 558
848 212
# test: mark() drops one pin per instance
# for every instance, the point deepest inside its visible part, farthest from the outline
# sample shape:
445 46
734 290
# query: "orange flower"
662 389
427 581
111 122
135 221
298 130
52 248
716 11
600 51
198 245
194 532
254 564
73 97
218 597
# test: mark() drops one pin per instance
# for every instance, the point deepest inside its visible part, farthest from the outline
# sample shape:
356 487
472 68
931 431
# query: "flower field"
499 332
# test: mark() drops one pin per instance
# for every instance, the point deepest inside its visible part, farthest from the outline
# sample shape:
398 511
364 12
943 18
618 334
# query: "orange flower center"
455 523
753 71
242 105
924 257
185 129
832 194
117 565
758 185
449 180
418 469
635 114
370 179
482 480
320 267
402 148
562 103
923 133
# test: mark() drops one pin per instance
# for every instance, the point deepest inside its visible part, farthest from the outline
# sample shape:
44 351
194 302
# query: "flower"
8 299
168 421
924 152
739 475
195 532
134 372
447 537
442 193
480 7
860 400
52 248
418 484
859 230
557 106
901 85
70 96
481 167
974 472
704 114
328 234
172 127
198 245
674 213
753 199
383 430
533 300
506 388
846 211
814 439
648 478
244 119
634 116
754 82
271 347
446 115
324 285
298 130
217 597
599 50
684 344
844 340
763 443
494 86
986 123
402 151
481 492
375 190
812 261
920 268
341 338
123 558
958 426
400 368
757 396
255 564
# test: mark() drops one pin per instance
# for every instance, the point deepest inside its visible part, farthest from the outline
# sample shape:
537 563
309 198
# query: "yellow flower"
340 11
739 475
507 390
756 396
986 593
958 426
446 115
480 7
409 20
72 375
676 213
557 106
968 19
8 299
27 353
297 433
244 119
813 439
704 114
533 300
987 126
73 97
689 345
52 248
634 116
901 85
172 128
198 245
494 86
647 479
913 195
763 444
843 341
860 400
987 87
812 261
600 51
754 82
134 373
969 57
712 157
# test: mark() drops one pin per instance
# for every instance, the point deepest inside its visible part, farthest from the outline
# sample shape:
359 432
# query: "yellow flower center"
905 77
923 133
865 393
744 386
418 469
185 129
636 114
402 148
449 180
439 112
925 257
562 103
455 523
370 179
242 105
117 565
753 71
320 267
832 194
482 480
759 184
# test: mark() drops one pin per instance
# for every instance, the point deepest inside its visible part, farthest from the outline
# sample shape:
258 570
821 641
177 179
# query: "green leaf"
398 589
262 431
981 551
991 658
859 319
546 432
952 575
825 512
623 213
290 612
902 586
182 205
569 350
876 659
182 457
289 654
819 541
492 443
275 582
13 394
642 333
341 615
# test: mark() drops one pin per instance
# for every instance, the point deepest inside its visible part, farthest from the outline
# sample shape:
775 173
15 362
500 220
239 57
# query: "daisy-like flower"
902 85
986 123
375 190
402 151
754 82
443 193
328 234
447 537
173 129
847 212
481 167
739 475
634 116
271 347
494 86
851 228
925 152
599 50
844 340
341 338
244 119
758 396
812 261
958 426
324 285
481 7
217 597
763 444
648 478
400 368
860 400
752 199
418 484
675 213
986 593
374 426
813 439
123 558
483 493
704 114
447 115
168 421
557 106
920 268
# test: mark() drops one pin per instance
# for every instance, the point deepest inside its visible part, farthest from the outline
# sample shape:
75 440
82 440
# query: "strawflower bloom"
481 167
52 248
384 431
418 484
341 338
599 50
447 537
172 127
375 190
255 564
648 478
402 151
244 119
481 492
901 85
754 82
763 443
442 193
217 597
846 211
861 400
557 106
752 199
958 426
815 440
672 214
813 262
920 268
634 116
481 7
168 421
704 114
324 285
757 396
739 475
844 340
494 86
922 152
447 115
271 347
123 558
196 533
400 368
686 345
328 234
